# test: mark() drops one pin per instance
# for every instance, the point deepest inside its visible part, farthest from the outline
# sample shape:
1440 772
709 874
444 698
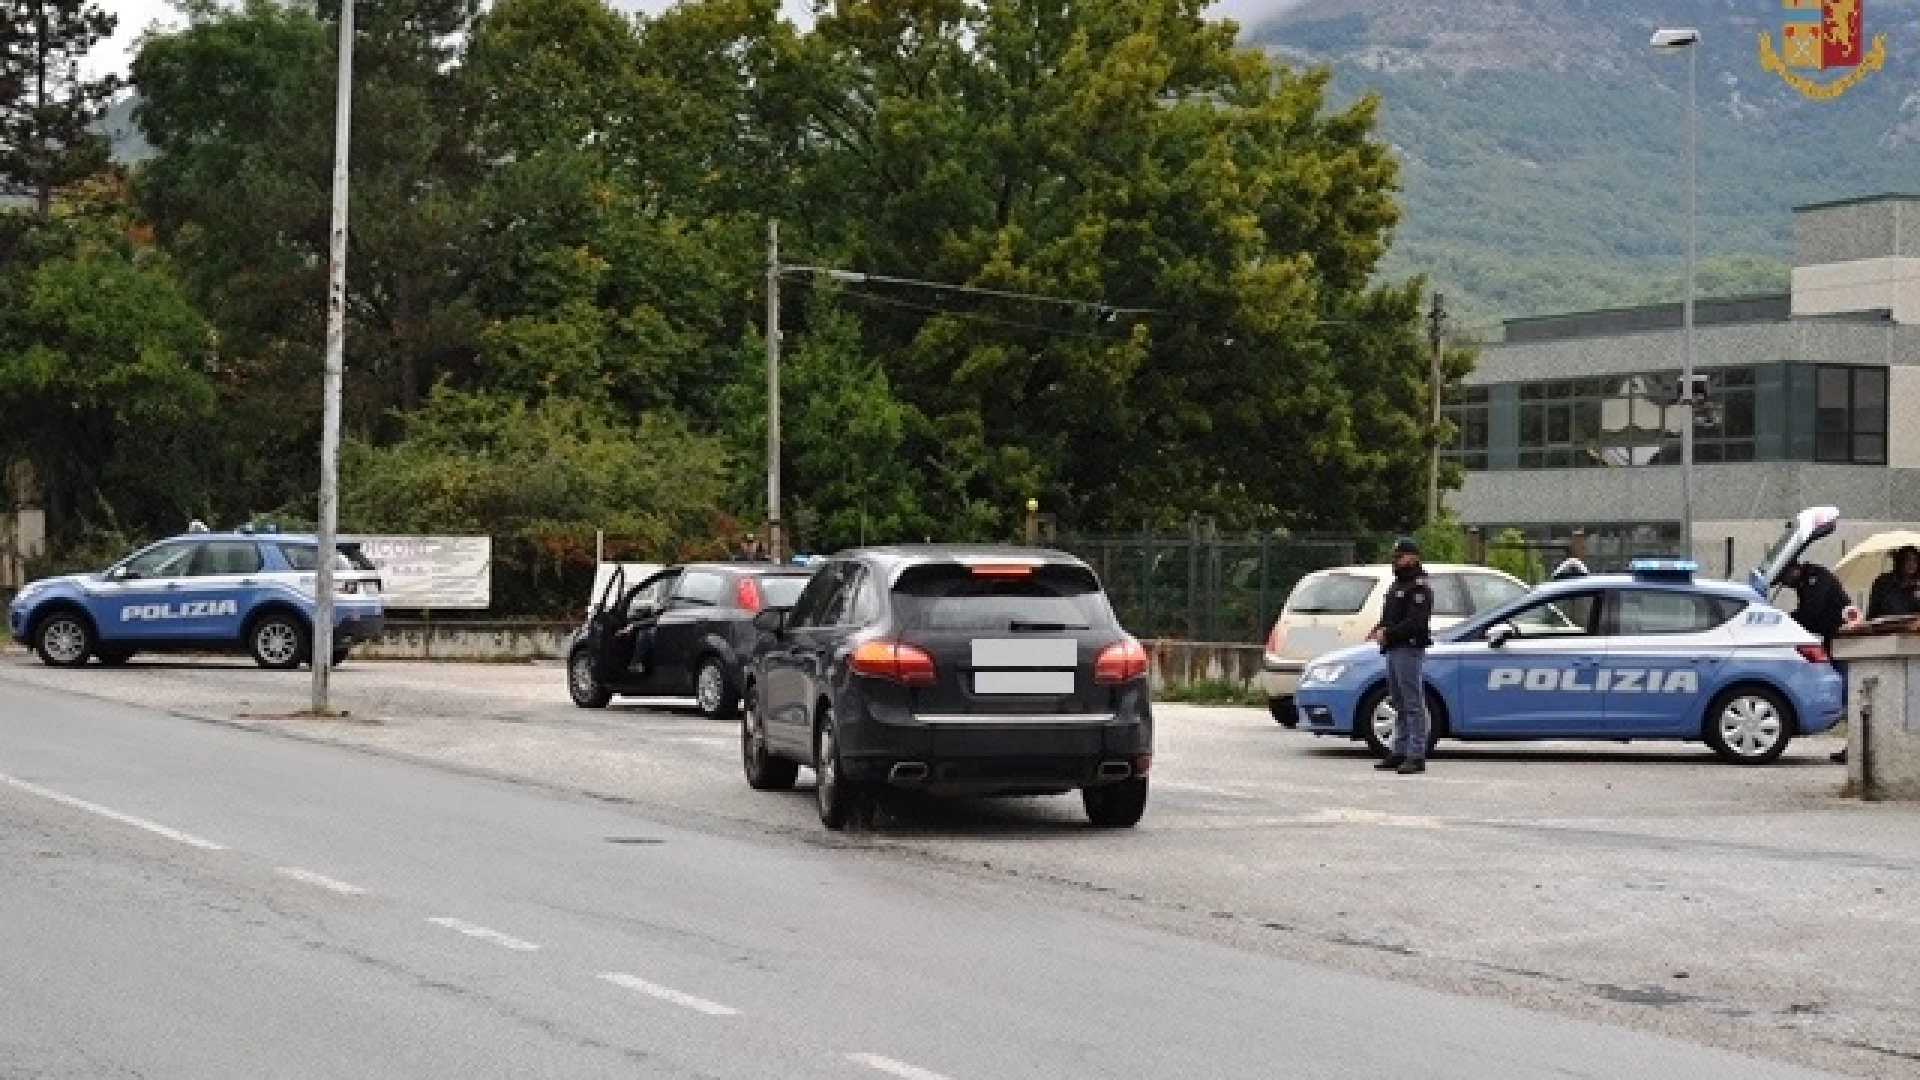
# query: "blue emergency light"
1665 569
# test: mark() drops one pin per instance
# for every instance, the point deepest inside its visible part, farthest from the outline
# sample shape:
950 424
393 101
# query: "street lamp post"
322 643
1668 41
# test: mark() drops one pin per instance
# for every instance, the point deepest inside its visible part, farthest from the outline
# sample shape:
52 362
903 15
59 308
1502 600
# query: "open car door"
606 617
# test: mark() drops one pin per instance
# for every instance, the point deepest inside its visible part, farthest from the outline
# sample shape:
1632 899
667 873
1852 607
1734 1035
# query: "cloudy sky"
136 16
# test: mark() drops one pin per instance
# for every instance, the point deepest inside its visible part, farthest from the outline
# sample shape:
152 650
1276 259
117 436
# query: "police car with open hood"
204 591
1655 654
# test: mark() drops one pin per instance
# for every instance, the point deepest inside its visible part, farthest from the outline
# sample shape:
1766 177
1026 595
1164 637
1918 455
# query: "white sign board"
439 573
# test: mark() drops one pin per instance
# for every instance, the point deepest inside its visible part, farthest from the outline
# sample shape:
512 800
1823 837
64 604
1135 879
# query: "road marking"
327 883
475 930
897 1068
668 994
112 815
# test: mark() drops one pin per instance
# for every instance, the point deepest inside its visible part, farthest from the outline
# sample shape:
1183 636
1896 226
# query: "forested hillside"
1542 144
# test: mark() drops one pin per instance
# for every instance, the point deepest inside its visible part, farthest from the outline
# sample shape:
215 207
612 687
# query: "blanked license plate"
1025 652
1023 682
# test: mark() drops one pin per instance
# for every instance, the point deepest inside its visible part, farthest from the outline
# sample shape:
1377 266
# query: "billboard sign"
438 573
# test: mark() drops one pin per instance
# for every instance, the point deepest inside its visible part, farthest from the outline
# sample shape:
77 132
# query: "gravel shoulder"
1647 886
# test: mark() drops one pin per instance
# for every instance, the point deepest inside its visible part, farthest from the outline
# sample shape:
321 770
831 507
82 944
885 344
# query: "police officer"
1821 608
1403 636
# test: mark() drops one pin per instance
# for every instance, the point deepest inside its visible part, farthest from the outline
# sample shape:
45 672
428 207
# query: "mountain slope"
1544 145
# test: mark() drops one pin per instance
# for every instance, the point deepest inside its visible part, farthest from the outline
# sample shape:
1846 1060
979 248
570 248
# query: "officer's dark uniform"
1404 637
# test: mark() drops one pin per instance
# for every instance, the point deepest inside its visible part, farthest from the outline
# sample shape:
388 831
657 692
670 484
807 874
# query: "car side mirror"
1499 635
771 621
121 573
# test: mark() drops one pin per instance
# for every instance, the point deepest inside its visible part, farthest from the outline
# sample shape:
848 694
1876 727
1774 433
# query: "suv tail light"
1120 663
746 594
908 665
1812 654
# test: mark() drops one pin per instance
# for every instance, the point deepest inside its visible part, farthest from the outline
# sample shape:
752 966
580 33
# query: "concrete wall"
1175 663
1888 765
415 640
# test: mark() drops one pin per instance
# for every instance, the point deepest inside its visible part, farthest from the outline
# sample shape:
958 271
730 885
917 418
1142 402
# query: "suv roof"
914 554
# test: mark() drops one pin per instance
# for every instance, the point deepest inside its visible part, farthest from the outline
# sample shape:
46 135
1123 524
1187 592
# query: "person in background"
1821 609
1896 593
1403 636
749 550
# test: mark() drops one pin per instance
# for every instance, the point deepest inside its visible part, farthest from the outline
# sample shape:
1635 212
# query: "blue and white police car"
1655 654
243 591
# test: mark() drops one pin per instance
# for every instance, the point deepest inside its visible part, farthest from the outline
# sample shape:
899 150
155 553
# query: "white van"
1332 609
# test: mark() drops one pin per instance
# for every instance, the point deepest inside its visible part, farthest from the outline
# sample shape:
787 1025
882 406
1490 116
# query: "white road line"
327 883
475 930
897 1068
112 815
668 994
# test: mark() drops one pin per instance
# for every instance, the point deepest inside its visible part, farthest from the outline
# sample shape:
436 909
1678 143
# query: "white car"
1332 609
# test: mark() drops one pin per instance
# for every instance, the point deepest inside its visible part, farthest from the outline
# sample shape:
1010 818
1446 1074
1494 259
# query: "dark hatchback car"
964 670
686 631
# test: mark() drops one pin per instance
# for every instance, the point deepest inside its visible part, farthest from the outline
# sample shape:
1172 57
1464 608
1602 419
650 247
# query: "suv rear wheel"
1118 805
841 798
713 689
63 639
278 641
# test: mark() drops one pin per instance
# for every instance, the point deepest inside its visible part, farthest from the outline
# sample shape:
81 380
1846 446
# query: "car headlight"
1323 673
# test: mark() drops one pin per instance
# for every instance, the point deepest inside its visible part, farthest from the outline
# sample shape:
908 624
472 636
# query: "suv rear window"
301 557
1331 594
954 599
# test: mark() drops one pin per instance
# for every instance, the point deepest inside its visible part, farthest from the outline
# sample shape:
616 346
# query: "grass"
1218 692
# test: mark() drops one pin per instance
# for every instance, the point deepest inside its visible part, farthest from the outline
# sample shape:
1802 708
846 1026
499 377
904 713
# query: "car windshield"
955 599
1330 594
781 590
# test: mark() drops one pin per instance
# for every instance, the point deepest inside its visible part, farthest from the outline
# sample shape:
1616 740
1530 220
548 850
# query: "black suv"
687 631
968 670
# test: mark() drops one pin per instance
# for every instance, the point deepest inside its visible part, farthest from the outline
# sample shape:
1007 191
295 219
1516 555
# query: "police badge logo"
1823 35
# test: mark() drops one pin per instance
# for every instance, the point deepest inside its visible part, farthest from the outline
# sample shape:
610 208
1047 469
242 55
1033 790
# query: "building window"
1467 409
1850 415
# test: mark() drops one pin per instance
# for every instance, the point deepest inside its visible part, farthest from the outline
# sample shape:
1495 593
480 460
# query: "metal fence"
1207 586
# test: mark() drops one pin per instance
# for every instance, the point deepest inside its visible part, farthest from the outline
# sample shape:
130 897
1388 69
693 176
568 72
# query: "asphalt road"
190 900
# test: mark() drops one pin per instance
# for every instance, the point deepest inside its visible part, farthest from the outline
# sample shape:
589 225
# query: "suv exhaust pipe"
1115 770
908 772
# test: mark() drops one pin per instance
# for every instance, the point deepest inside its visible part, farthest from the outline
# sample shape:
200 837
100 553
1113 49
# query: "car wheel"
584 688
713 690
841 799
278 641
1378 721
112 657
1118 805
1749 725
1283 711
764 771
64 639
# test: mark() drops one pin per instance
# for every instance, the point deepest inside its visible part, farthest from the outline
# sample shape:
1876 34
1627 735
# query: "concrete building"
1568 429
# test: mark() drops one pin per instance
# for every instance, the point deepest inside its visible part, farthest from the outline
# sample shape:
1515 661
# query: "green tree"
47 111
1509 553
107 383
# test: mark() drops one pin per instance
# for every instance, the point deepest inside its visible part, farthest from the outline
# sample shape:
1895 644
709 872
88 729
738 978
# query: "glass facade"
1773 412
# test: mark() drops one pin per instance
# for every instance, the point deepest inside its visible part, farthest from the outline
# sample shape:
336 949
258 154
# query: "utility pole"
1437 339
322 648
776 538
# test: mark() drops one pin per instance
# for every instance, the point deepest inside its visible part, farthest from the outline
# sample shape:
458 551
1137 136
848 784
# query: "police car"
201 591
1655 654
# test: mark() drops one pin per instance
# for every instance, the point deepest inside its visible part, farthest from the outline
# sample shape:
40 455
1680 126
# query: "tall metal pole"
322 657
1436 334
776 538
1693 232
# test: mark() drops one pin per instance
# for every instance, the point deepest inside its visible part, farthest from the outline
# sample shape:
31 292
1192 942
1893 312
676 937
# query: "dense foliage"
557 274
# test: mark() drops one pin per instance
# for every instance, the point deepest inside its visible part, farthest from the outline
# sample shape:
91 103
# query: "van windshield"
1330 594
